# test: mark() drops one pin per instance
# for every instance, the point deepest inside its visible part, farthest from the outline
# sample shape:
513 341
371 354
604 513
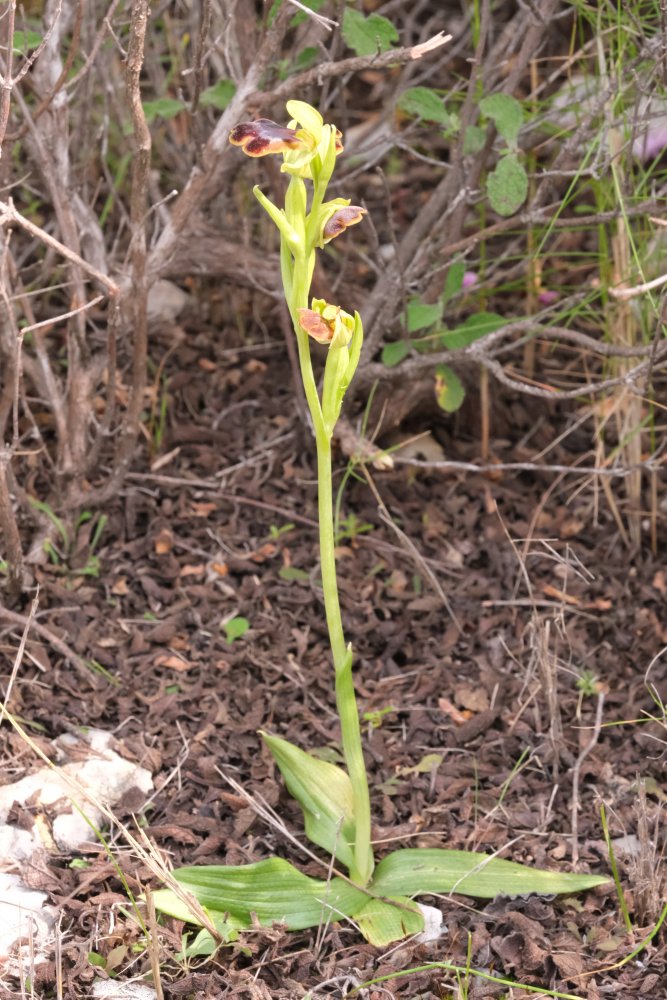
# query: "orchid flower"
335 801
307 222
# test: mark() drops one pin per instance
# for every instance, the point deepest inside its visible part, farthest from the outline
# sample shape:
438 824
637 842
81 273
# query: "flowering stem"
346 701
299 285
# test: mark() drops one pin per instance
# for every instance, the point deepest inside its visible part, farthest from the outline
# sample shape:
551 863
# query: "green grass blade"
414 871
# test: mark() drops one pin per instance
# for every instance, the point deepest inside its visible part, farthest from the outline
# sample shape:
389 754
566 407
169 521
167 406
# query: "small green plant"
277 531
335 801
235 628
375 718
61 555
351 527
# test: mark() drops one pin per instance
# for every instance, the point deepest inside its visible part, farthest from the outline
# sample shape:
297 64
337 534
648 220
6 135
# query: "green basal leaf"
368 35
393 354
324 792
449 390
421 315
453 281
507 186
168 902
381 923
471 329
506 114
425 103
273 890
425 870
219 95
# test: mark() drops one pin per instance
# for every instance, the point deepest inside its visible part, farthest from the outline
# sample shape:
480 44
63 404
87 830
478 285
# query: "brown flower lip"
340 220
315 326
263 136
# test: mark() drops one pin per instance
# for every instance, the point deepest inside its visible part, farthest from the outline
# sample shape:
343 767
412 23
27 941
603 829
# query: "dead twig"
14 618
138 246
576 775
9 216
354 64
9 529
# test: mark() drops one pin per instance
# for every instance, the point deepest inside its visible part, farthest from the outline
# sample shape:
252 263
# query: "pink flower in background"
470 278
547 297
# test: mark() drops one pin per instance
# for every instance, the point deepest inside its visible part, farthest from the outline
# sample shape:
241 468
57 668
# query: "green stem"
346 701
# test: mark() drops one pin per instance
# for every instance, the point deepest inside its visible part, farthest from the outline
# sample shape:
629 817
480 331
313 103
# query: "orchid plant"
335 801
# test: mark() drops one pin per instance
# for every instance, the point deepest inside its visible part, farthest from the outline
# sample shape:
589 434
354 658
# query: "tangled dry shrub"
117 176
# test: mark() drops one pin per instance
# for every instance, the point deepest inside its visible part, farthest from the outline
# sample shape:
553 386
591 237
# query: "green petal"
307 116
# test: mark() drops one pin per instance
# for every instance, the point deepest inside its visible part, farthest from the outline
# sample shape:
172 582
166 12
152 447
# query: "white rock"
17 844
111 989
433 925
103 773
24 919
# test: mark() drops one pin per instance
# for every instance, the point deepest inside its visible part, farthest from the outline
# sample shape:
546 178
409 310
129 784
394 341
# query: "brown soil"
538 592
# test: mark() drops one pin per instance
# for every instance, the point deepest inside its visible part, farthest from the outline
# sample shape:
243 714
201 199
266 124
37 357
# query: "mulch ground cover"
479 695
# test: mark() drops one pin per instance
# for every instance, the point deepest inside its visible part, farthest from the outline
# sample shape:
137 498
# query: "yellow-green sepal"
293 238
341 364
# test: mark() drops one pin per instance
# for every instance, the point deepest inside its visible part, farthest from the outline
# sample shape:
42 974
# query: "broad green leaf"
422 314
235 628
324 793
203 946
274 890
506 114
474 327
393 354
164 107
453 281
473 140
449 391
368 35
415 871
423 102
168 902
507 186
25 40
219 95
227 926
381 923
